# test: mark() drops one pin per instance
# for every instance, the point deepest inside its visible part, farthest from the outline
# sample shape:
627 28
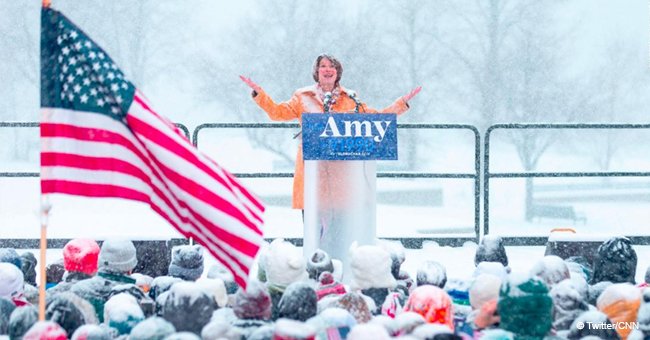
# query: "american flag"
101 138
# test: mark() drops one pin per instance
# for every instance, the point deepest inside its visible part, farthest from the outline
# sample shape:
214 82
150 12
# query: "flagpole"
45 213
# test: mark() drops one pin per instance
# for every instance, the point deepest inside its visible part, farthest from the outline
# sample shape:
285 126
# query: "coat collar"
311 91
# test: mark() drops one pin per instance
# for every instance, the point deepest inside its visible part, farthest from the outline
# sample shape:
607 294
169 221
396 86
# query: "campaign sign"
344 136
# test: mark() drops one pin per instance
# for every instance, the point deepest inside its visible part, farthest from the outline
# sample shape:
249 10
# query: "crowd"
111 292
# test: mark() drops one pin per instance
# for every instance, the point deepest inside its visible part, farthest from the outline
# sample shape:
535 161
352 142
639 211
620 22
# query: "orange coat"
307 100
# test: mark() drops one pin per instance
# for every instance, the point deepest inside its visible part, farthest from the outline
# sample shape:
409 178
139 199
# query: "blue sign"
346 136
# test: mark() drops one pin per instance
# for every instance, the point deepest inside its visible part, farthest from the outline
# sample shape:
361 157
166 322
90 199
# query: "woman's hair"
335 62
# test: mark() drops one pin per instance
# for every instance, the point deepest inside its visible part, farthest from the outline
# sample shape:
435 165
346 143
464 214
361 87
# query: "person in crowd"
523 299
620 302
371 274
10 255
433 303
153 258
116 260
318 263
252 307
188 308
298 302
21 320
551 269
70 311
326 95
122 313
6 308
483 297
187 262
54 273
579 329
80 258
491 249
615 261
12 284
46 330
28 267
284 266
431 273
568 304
154 328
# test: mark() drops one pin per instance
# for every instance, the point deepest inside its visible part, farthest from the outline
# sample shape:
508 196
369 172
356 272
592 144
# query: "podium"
340 152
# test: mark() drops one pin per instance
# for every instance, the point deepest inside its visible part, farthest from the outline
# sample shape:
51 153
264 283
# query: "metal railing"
487 175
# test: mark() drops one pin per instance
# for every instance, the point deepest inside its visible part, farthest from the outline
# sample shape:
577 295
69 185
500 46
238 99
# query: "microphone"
327 101
353 96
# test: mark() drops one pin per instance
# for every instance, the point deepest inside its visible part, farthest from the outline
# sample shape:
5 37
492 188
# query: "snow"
551 269
121 308
186 290
432 273
371 267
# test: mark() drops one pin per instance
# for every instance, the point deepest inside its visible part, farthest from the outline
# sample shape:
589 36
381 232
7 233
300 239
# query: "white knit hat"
484 288
11 280
284 263
117 256
371 268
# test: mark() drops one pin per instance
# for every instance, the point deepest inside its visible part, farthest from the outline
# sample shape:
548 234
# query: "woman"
327 95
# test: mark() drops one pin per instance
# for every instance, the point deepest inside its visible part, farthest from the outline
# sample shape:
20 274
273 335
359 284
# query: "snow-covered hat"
45 330
484 288
431 273
187 262
620 302
368 331
80 255
152 328
491 249
122 312
9 255
319 262
253 303
371 267
215 288
552 269
117 256
298 302
494 268
92 332
11 280
284 263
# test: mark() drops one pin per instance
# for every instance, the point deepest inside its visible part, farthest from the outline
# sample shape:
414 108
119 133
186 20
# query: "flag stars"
79 71
86 81
110 75
114 88
64 69
92 55
88 45
124 86
101 55
65 50
72 61
73 34
76 88
115 110
93 92
83 99
119 99
70 78
77 46
96 66
70 96
100 102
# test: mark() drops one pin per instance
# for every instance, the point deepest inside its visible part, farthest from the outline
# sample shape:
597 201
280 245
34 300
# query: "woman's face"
326 72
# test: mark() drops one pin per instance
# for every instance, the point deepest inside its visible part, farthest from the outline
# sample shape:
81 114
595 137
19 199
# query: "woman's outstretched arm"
282 112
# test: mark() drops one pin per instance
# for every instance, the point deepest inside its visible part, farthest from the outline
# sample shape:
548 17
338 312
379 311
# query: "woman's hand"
251 84
412 94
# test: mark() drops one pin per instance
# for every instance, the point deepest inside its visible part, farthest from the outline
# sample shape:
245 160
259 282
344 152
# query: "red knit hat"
80 255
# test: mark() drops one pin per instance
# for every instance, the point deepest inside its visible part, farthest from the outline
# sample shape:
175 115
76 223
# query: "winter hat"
484 288
216 289
6 307
393 304
253 303
298 302
28 267
54 272
219 328
433 331
491 249
9 255
521 300
431 273
568 304
333 322
69 311
161 284
433 303
356 305
153 328
153 257
327 286
579 328
319 262
494 268
288 329
579 265
187 307
368 331
187 262
218 271
80 255
92 332
46 330
620 302
122 313
371 268
397 254
551 269
11 281
643 318
615 261
406 322
117 256
21 320
182 336
378 296
284 264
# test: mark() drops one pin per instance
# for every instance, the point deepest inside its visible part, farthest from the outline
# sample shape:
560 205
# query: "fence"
414 242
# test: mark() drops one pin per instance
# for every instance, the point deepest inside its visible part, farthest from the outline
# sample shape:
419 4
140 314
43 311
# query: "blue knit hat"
10 255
